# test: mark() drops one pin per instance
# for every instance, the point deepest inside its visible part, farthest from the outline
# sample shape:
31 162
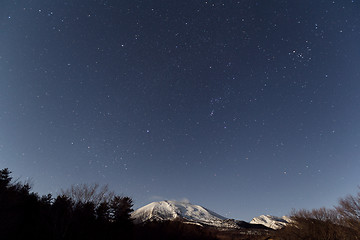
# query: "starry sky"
244 107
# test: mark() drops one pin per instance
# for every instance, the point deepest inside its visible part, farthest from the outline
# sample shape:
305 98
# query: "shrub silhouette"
340 223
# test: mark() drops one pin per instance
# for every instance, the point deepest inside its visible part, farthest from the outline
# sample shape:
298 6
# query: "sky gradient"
243 107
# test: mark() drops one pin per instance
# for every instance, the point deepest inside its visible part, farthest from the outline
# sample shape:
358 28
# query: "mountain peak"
170 210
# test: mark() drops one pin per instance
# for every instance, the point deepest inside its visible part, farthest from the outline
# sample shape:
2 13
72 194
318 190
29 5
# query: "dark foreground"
90 212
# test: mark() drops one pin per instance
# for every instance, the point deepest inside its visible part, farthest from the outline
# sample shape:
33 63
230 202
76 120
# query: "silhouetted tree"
62 212
83 193
349 210
5 179
120 210
103 212
83 221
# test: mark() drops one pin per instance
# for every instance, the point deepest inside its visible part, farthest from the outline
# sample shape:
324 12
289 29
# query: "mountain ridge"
270 221
168 210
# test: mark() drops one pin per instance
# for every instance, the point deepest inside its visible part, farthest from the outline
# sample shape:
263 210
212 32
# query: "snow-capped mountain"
271 221
170 210
195 214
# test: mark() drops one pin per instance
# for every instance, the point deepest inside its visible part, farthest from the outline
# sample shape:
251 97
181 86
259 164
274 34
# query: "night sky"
244 107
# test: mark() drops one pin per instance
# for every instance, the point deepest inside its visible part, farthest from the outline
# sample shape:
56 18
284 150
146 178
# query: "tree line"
83 212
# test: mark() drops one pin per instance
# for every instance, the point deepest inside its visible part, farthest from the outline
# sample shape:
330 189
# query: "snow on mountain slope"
271 221
170 210
195 214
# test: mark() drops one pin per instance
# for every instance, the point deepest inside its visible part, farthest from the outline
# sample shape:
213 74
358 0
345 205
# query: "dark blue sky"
244 107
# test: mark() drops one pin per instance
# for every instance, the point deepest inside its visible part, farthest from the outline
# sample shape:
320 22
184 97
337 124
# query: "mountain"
188 213
271 221
171 210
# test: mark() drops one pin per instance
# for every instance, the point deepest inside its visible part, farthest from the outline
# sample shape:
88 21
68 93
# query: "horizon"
247 108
